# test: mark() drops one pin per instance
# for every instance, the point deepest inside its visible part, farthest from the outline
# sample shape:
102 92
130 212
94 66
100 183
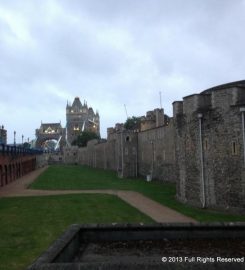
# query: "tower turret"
79 118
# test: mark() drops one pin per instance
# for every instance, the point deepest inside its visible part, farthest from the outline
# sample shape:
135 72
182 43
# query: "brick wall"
13 167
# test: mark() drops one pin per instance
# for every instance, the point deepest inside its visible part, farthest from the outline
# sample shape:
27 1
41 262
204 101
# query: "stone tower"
210 147
79 118
48 132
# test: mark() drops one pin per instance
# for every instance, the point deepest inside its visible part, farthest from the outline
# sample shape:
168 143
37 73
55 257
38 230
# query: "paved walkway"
155 210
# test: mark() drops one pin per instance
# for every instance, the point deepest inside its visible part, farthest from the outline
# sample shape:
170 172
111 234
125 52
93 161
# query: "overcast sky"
111 53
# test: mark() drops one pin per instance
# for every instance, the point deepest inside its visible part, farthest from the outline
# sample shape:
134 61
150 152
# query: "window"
234 148
205 144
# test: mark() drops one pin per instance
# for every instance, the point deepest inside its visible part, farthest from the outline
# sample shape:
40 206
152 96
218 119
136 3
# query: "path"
153 209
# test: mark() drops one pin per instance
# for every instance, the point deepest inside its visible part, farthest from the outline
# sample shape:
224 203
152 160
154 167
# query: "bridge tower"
48 133
79 118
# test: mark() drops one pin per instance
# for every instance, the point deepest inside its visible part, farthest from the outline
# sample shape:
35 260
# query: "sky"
111 53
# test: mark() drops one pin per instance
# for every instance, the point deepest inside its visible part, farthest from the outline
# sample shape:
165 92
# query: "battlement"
196 102
155 118
220 97
177 108
225 86
238 97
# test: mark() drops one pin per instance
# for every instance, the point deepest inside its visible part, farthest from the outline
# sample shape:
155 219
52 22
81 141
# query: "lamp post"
14 138
200 117
22 139
242 110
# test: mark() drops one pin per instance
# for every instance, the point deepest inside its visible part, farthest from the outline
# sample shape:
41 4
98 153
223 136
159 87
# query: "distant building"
49 132
79 118
3 135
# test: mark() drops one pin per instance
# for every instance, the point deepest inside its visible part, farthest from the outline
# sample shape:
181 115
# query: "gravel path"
155 210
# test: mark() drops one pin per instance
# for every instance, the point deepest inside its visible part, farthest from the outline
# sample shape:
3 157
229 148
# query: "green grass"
28 225
81 177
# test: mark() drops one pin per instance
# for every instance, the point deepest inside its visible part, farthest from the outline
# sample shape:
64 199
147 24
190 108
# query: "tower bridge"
79 118
50 136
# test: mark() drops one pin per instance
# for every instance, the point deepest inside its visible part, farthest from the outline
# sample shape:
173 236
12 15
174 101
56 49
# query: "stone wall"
109 154
42 160
130 153
208 128
201 149
70 155
155 153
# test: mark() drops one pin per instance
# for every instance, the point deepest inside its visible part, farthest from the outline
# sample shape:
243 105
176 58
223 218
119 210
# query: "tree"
26 145
84 137
132 123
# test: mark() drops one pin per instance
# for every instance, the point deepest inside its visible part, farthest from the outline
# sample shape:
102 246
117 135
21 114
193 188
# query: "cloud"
112 53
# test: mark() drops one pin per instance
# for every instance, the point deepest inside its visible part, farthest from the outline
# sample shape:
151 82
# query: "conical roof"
77 103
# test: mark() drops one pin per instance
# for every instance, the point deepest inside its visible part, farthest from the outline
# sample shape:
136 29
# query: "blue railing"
16 150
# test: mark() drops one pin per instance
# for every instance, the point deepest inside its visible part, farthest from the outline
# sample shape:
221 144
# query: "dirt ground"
156 211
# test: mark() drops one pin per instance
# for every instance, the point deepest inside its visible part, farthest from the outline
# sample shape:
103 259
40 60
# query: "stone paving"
155 210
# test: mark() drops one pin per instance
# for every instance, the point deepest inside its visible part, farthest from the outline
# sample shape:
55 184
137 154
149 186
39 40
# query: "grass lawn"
82 177
28 225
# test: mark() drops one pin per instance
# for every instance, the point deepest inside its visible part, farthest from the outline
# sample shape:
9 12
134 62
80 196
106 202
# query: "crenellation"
119 127
217 139
222 99
238 96
177 108
196 103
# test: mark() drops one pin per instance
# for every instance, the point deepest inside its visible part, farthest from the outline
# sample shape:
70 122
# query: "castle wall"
187 153
109 155
128 166
152 119
129 153
70 155
218 113
41 161
202 149
155 153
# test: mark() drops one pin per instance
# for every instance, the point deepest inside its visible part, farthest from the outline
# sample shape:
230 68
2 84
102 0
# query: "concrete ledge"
60 255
